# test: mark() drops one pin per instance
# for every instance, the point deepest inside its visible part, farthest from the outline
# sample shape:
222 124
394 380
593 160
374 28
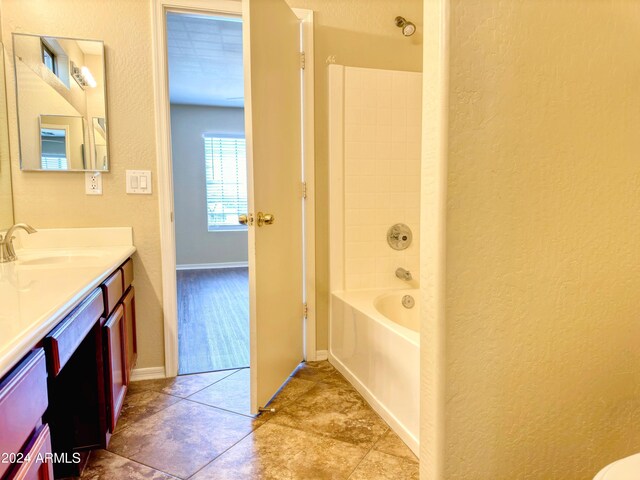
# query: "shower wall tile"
382 133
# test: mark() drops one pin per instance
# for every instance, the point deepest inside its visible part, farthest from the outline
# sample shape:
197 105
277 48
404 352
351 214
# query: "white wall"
382 131
194 244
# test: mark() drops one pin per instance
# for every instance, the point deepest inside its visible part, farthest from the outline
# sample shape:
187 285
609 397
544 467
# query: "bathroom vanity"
67 348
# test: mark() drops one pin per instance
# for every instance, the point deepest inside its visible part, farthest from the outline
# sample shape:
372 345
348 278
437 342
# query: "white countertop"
55 270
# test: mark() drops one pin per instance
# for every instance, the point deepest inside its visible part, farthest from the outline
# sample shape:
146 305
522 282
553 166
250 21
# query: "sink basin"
59 260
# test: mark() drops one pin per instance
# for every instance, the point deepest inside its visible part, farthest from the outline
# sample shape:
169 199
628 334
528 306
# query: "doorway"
206 95
277 141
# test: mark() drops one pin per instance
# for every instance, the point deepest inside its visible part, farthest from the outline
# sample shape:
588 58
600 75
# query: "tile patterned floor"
199 427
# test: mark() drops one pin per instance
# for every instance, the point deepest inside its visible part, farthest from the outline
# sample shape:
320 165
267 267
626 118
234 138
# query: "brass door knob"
265 219
245 219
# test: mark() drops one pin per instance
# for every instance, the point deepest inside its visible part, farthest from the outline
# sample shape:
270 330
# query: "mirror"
61 97
6 197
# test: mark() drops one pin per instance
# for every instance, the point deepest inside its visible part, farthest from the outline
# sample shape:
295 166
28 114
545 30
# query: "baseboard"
150 373
206 266
322 355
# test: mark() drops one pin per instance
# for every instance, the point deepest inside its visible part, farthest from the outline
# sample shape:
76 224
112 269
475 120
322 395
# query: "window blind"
53 162
226 181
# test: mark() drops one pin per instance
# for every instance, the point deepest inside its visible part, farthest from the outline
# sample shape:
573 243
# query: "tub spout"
404 274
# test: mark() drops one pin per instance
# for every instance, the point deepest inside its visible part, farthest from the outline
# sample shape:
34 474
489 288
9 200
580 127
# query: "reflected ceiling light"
83 76
86 73
408 28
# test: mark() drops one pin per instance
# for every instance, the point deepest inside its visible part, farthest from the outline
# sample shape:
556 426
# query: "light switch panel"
139 182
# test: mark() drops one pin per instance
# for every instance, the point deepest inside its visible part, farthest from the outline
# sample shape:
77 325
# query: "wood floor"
213 319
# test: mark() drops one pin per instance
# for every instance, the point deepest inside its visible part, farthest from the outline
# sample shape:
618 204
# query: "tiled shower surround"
382 131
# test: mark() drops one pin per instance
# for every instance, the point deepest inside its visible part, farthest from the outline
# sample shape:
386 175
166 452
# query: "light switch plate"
93 183
139 182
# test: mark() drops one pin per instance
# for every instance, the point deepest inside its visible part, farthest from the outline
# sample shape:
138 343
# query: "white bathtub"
375 343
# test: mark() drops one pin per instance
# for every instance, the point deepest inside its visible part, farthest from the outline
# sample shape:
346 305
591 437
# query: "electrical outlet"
93 183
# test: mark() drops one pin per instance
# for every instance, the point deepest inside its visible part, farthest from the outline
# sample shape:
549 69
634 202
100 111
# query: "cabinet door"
129 304
23 400
116 363
39 466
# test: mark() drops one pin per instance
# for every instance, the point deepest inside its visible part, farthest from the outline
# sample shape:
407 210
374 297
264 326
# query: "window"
49 59
54 147
226 181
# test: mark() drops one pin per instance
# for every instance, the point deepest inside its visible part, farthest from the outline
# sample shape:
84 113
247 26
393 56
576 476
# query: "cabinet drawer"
127 274
23 401
37 468
112 290
116 364
65 338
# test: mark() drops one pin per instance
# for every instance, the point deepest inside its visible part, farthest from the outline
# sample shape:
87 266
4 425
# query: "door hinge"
303 60
304 189
305 310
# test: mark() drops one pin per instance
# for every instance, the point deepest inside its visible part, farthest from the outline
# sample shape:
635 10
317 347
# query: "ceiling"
205 60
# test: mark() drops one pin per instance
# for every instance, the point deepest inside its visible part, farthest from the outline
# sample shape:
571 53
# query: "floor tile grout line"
178 396
193 393
222 453
362 459
221 409
320 435
143 464
118 431
214 383
180 374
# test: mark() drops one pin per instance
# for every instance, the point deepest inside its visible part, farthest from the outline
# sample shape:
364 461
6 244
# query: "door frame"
165 168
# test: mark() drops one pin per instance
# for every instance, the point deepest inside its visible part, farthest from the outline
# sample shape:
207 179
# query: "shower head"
408 28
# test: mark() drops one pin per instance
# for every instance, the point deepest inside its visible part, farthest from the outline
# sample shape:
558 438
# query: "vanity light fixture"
83 76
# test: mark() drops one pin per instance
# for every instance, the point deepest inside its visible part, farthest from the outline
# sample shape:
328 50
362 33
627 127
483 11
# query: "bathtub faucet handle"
403 274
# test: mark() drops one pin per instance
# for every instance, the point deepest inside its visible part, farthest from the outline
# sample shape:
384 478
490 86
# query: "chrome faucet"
7 252
404 274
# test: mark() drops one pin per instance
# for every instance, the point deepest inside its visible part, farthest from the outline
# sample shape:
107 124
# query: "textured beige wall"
358 34
6 198
543 239
58 200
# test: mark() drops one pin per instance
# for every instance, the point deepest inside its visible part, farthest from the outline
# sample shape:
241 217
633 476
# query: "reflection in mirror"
100 143
62 143
6 197
60 87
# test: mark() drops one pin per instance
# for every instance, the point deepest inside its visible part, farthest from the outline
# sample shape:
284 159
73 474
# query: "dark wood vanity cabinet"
120 346
64 397
24 439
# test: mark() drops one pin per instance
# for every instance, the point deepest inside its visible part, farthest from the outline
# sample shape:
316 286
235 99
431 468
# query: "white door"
271 43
